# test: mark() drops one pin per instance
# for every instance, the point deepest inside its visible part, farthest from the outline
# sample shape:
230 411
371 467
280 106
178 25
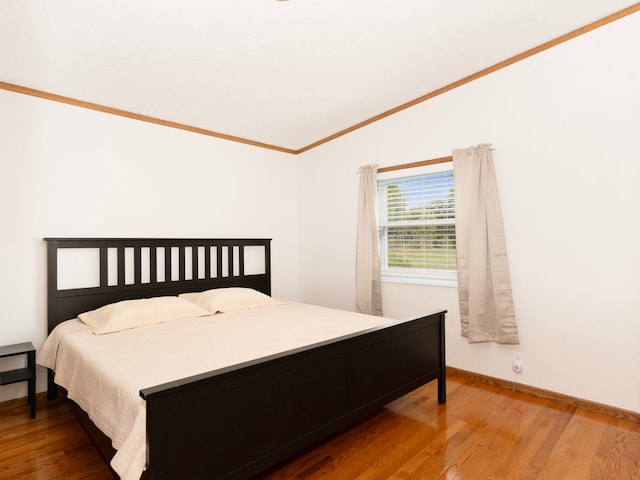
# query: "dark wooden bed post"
52 285
442 376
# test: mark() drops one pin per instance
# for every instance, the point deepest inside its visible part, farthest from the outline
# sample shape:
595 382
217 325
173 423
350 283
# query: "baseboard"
547 394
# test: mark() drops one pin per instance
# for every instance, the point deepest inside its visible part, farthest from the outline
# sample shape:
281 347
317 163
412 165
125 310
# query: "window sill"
439 282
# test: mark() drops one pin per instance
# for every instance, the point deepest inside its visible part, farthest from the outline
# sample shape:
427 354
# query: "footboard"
236 422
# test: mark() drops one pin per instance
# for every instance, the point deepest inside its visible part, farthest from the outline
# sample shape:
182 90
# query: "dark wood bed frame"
236 422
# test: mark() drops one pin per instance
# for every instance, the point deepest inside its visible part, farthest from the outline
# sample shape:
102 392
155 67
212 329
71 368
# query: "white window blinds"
416 226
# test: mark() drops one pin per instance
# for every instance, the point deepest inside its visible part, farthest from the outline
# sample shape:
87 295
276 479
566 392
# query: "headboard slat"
104 267
241 260
219 262
207 262
153 266
195 252
137 262
121 266
168 261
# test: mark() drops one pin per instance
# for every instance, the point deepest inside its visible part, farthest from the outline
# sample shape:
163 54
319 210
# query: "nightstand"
22 374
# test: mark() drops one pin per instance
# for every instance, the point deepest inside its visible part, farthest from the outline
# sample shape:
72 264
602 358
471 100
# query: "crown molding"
498 66
136 116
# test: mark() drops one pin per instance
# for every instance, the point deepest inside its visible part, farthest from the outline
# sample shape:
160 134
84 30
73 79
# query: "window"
416 228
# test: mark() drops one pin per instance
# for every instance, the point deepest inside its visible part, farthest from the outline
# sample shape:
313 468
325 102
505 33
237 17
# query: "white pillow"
136 313
230 299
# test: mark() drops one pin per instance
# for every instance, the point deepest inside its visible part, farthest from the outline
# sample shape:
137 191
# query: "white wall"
566 128
66 171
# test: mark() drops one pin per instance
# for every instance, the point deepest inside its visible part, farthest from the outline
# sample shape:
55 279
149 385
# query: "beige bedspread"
105 373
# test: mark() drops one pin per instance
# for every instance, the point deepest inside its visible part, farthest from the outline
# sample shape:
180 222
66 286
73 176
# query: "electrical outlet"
517 362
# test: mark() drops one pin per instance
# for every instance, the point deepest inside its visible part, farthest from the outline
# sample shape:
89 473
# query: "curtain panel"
484 285
368 283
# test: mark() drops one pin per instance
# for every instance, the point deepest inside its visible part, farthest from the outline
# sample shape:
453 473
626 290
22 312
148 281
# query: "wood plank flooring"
484 432
53 446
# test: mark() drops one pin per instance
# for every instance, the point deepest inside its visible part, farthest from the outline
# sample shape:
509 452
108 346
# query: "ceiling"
283 73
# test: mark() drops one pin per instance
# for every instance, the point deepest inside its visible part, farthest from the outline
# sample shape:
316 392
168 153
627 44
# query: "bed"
239 420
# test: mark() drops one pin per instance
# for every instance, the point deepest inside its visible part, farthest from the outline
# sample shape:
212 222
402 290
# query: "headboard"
129 268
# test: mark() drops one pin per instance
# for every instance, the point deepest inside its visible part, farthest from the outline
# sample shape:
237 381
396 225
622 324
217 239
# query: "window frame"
439 277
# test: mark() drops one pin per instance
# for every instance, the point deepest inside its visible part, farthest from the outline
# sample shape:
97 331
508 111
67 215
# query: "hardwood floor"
483 432
53 446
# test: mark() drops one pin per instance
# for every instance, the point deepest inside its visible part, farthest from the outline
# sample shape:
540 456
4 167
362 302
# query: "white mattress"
105 373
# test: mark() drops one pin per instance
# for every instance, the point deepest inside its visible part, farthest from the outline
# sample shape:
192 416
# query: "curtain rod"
422 163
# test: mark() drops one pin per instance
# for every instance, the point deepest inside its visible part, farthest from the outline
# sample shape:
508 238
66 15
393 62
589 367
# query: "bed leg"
52 388
442 377
442 387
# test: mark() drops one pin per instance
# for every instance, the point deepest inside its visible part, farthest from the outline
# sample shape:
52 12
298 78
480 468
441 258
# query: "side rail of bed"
234 423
